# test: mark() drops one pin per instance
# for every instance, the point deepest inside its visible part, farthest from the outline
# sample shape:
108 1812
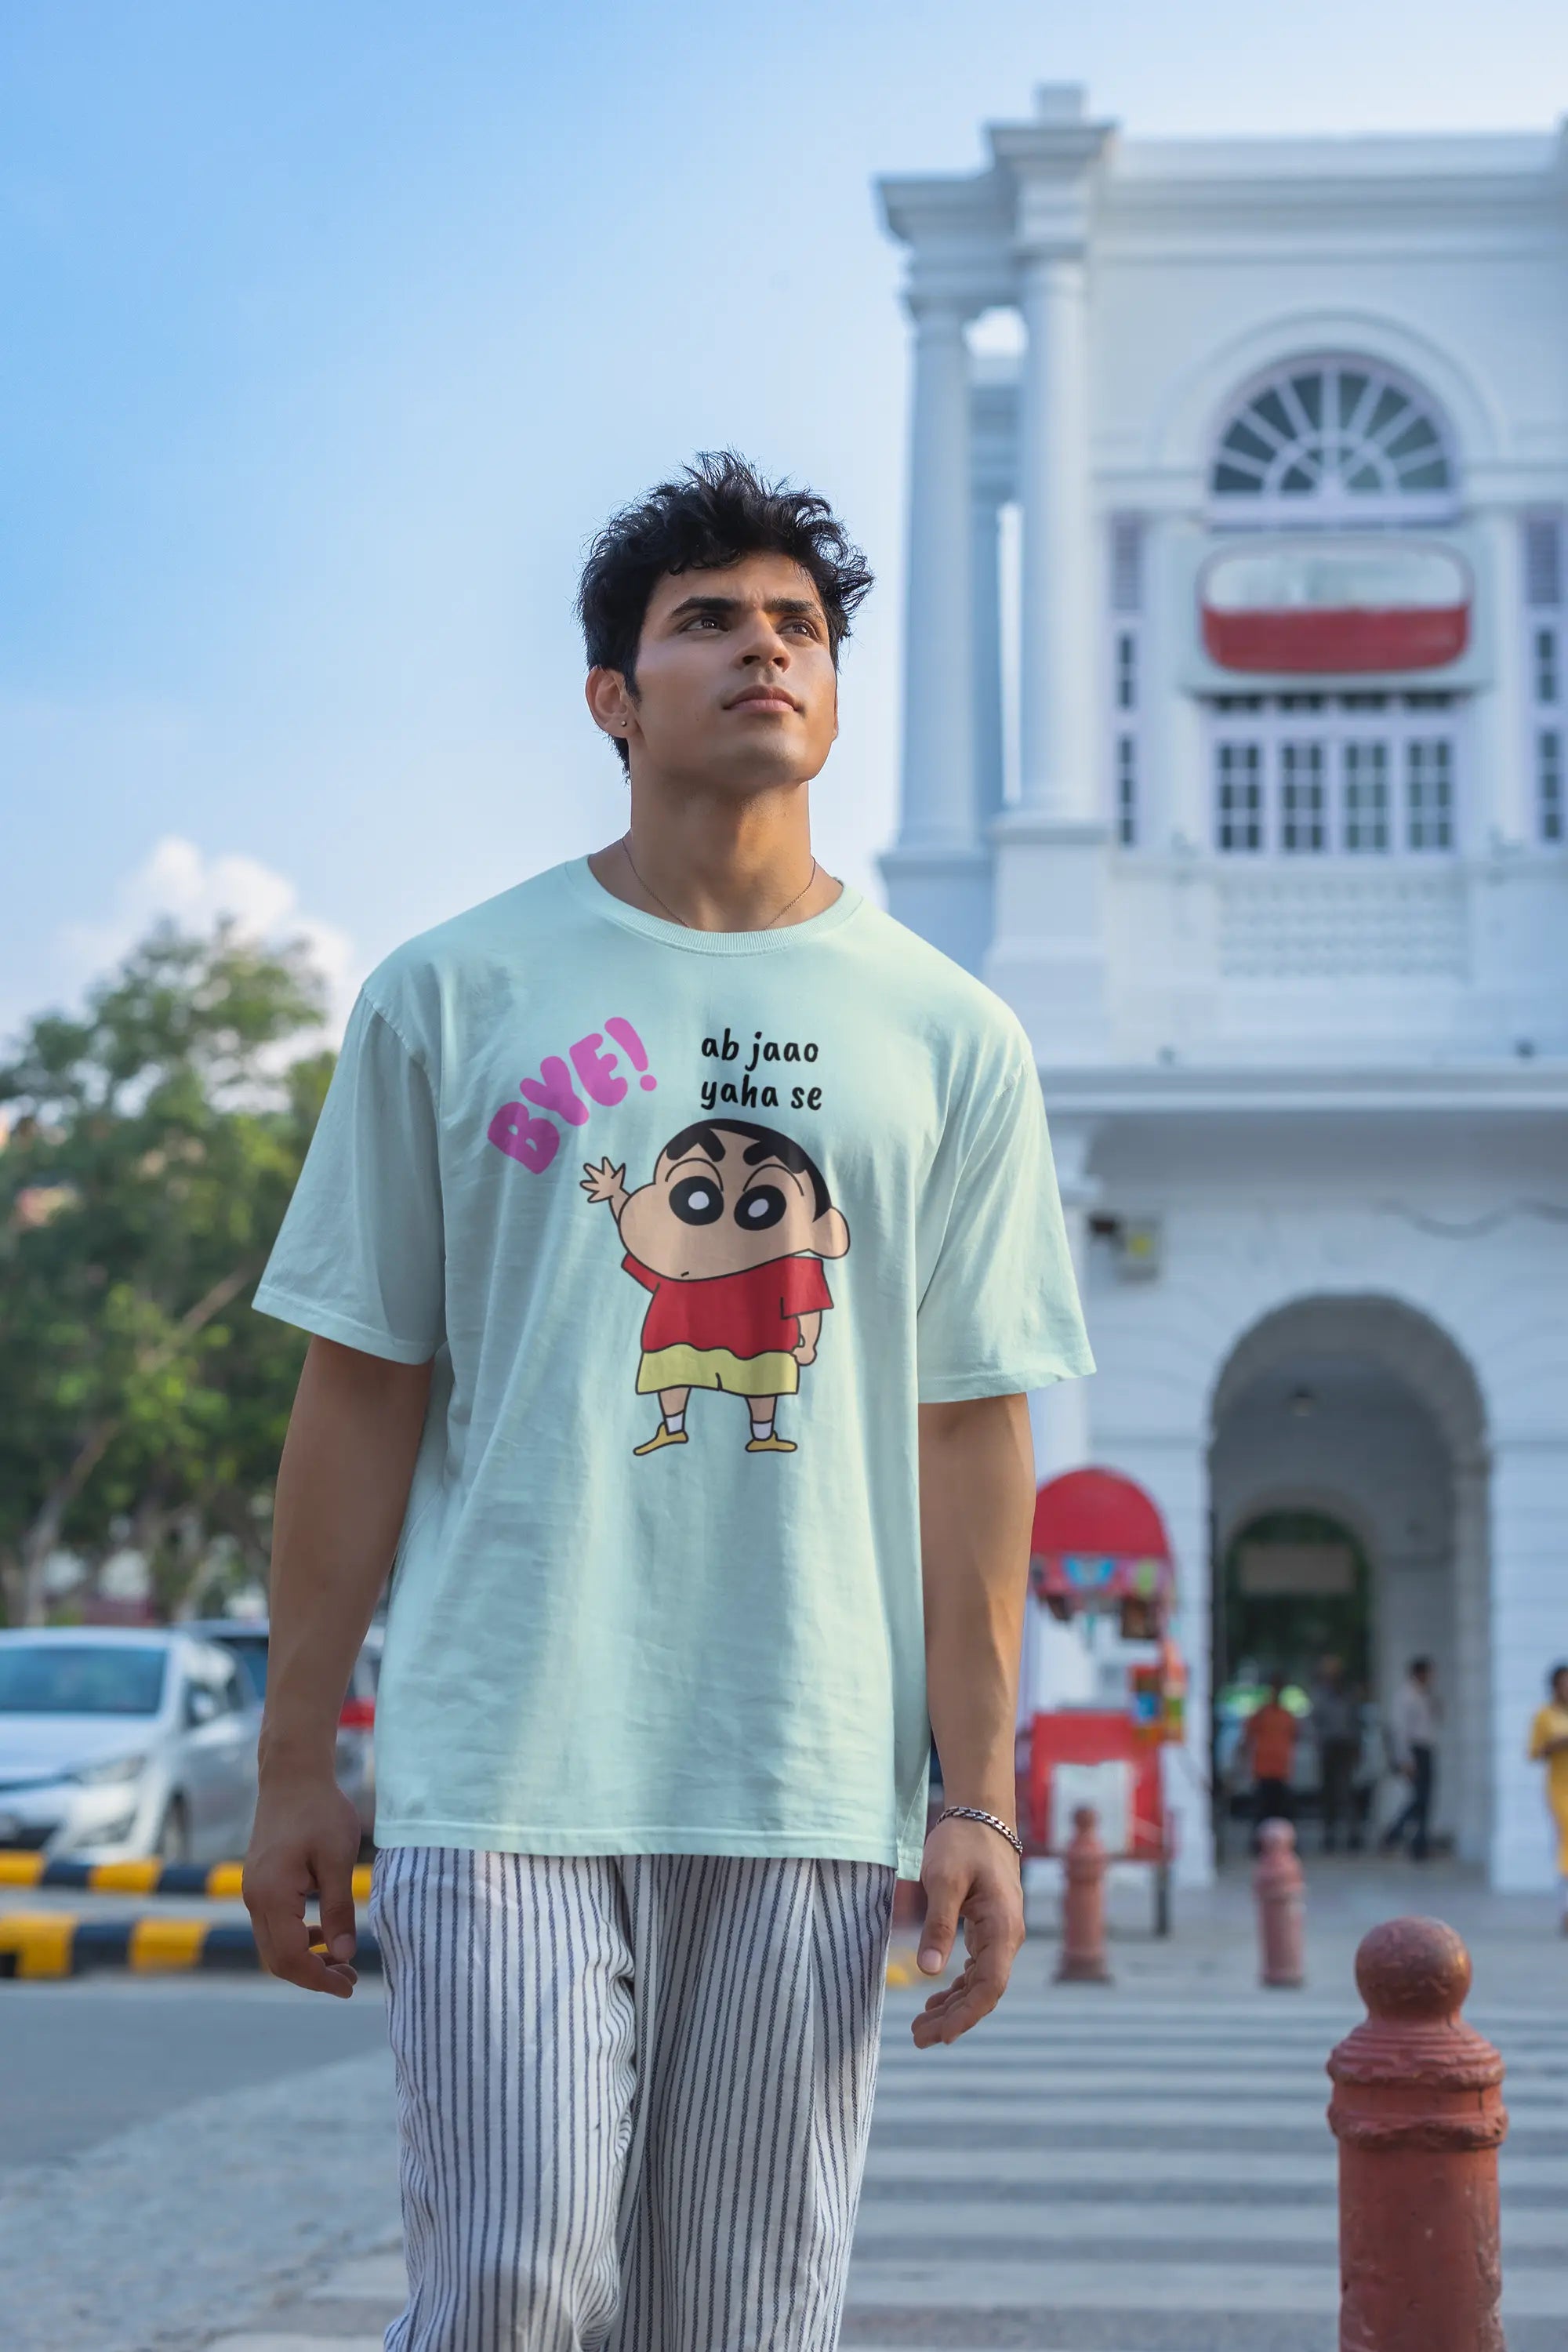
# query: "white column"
938 726
1058 767
1529 1476
986 589
1056 1666
1468 1751
1498 801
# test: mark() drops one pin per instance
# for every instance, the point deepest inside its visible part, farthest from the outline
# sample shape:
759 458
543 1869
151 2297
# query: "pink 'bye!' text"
523 1135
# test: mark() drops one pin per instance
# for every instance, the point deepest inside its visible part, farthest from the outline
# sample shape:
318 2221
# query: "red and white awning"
1321 606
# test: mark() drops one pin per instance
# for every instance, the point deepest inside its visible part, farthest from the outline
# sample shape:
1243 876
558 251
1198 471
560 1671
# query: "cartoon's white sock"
762 1428
676 1420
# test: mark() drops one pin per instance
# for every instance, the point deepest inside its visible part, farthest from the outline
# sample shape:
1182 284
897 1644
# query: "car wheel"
173 1843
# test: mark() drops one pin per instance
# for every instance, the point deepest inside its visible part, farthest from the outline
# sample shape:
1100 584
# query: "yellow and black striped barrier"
36 1944
220 1881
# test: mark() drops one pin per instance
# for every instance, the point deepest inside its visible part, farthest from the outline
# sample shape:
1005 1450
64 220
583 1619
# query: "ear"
830 1235
611 706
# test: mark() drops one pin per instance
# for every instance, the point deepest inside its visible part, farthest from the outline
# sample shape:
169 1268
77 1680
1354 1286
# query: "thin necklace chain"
625 845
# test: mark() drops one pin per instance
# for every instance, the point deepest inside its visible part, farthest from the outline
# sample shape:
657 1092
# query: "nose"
761 643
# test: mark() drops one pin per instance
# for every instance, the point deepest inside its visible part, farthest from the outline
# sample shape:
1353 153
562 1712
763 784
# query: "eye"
697 1201
757 1210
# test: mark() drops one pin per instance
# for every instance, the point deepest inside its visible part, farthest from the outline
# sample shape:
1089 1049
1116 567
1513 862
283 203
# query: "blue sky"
332 333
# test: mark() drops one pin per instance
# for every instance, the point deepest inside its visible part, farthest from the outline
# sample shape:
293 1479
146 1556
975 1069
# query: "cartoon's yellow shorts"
774 1373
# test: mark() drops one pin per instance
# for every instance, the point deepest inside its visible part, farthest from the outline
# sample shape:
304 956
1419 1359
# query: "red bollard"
1417 2111
1083 1960
1280 1889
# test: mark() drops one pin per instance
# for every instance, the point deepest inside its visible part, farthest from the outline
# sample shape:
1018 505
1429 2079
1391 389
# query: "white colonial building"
1233 758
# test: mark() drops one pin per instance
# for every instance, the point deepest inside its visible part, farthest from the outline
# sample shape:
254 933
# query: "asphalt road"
85 2059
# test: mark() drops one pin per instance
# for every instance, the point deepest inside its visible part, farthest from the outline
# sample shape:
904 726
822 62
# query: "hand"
805 1352
970 1872
305 1841
603 1182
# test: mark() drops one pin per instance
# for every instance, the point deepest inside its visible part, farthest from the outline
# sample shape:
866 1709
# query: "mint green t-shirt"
689 1221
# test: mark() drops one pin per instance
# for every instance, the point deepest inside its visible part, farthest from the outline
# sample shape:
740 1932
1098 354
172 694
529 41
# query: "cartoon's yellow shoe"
661 1436
769 1445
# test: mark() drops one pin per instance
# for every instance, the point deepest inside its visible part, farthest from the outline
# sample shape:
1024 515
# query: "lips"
764 698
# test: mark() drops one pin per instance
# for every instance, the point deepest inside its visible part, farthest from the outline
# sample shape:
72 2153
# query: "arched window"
1337 441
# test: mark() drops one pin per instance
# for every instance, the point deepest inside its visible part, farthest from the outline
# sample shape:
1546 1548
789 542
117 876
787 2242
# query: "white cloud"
178 879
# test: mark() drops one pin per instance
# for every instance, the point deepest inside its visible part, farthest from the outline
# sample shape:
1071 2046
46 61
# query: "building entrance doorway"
1298 1587
1348 1483
1293 1598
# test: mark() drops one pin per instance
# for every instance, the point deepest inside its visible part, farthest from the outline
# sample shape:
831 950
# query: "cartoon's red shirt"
750 1313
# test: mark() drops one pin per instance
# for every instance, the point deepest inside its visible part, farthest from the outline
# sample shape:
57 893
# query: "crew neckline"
600 901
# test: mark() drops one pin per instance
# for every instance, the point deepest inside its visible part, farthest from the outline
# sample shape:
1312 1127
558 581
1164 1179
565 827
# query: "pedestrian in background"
1269 1736
1413 1743
1549 1746
1336 1720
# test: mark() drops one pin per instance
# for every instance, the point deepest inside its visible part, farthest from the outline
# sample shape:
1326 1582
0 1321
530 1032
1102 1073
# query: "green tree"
156 1141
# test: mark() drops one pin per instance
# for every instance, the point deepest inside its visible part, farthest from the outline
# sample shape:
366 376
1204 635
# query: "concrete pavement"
1143 2167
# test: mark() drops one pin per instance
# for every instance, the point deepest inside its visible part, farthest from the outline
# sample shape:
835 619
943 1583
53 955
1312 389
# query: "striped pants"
633 2095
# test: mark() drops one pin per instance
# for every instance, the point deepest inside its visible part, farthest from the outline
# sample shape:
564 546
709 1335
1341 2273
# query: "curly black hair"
718 510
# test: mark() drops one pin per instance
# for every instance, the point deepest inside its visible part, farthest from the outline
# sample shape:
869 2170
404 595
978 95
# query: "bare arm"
343 1488
977 1498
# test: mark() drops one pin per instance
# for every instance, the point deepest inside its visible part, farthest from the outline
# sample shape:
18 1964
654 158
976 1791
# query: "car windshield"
80 1678
251 1652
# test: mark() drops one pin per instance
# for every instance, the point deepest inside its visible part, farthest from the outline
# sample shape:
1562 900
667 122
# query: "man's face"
735 682
700 1217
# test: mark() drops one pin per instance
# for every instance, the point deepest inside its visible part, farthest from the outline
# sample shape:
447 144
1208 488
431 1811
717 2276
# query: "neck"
716 863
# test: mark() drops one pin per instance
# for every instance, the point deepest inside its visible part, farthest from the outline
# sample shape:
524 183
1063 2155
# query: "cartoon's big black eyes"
760 1208
697 1201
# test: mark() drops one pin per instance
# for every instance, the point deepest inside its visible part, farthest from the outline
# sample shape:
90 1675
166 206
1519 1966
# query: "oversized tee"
688 1223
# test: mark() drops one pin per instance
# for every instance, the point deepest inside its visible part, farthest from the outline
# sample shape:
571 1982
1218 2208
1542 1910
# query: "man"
1413 1743
1269 1737
654 1722
1336 1720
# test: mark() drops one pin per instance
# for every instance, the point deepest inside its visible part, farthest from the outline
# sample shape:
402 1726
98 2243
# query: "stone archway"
1362 1408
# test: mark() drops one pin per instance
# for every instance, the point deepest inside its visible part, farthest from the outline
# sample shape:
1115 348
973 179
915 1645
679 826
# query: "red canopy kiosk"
1098 1544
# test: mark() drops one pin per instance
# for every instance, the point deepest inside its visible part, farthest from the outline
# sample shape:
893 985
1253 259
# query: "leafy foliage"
155 1140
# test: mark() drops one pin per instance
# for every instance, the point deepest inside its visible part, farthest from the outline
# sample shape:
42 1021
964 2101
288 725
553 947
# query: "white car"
116 1745
245 1638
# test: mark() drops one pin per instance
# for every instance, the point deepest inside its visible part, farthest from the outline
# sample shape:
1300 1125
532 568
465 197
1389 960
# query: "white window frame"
1353 776
1264 448
1544 557
1125 682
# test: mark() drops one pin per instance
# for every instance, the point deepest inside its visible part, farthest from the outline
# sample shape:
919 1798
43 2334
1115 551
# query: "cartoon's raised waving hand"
605 1182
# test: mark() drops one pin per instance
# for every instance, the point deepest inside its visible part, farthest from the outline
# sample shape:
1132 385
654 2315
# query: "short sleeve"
806 1290
360 1256
639 1273
999 1312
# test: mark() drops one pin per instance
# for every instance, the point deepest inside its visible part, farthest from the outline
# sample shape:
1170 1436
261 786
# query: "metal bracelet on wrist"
974 1814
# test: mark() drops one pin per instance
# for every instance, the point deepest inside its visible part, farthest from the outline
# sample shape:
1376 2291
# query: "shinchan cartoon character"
728 1236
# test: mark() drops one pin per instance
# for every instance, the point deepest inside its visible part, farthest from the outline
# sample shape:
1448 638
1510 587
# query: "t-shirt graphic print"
728 1236
686 1224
